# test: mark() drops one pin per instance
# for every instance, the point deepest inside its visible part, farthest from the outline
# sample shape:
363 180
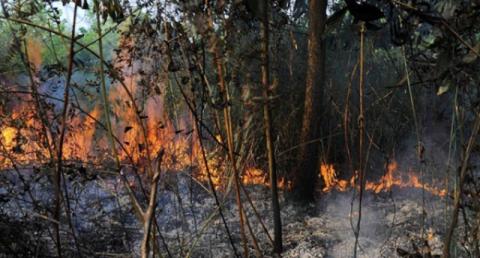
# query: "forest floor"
188 217
391 223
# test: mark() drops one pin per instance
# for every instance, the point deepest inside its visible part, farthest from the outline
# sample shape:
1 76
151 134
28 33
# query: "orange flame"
386 182
254 176
151 127
8 136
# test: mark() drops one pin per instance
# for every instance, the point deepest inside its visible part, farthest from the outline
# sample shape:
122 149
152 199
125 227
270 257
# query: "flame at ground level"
181 153
384 184
391 179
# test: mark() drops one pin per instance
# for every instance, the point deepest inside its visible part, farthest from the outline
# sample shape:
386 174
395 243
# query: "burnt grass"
104 224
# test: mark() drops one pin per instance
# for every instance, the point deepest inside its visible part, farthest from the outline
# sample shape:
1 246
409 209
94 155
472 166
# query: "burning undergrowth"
404 208
398 220
187 219
391 178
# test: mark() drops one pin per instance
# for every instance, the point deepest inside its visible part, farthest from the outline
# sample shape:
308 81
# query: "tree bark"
305 175
267 123
149 215
223 89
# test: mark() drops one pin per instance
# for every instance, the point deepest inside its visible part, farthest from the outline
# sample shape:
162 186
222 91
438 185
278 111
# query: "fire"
254 176
176 138
143 127
384 184
139 121
387 181
285 184
330 180
8 136
215 167
19 136
80 143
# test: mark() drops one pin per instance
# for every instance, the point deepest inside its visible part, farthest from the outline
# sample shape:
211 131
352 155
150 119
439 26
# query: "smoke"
341 220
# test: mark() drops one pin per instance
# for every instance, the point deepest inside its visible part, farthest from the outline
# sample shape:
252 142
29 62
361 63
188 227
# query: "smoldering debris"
399 223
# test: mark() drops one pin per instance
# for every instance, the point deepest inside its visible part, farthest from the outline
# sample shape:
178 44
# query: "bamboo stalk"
218 63
198 125
458 193
149 215
63 129
361 129
267 123
231 155
205 161
212 186
419 147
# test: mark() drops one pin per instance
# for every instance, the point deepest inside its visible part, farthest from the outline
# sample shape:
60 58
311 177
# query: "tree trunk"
267 121
304 178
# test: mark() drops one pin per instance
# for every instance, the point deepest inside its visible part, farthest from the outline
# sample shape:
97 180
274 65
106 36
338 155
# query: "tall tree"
307 167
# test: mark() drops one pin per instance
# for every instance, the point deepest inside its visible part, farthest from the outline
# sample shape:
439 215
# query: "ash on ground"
400 223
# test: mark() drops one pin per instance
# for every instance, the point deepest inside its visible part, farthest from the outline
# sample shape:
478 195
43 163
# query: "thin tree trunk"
149 215
361 138
58 172
458 193
231 154
227 117
198 129
306 172
272 169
